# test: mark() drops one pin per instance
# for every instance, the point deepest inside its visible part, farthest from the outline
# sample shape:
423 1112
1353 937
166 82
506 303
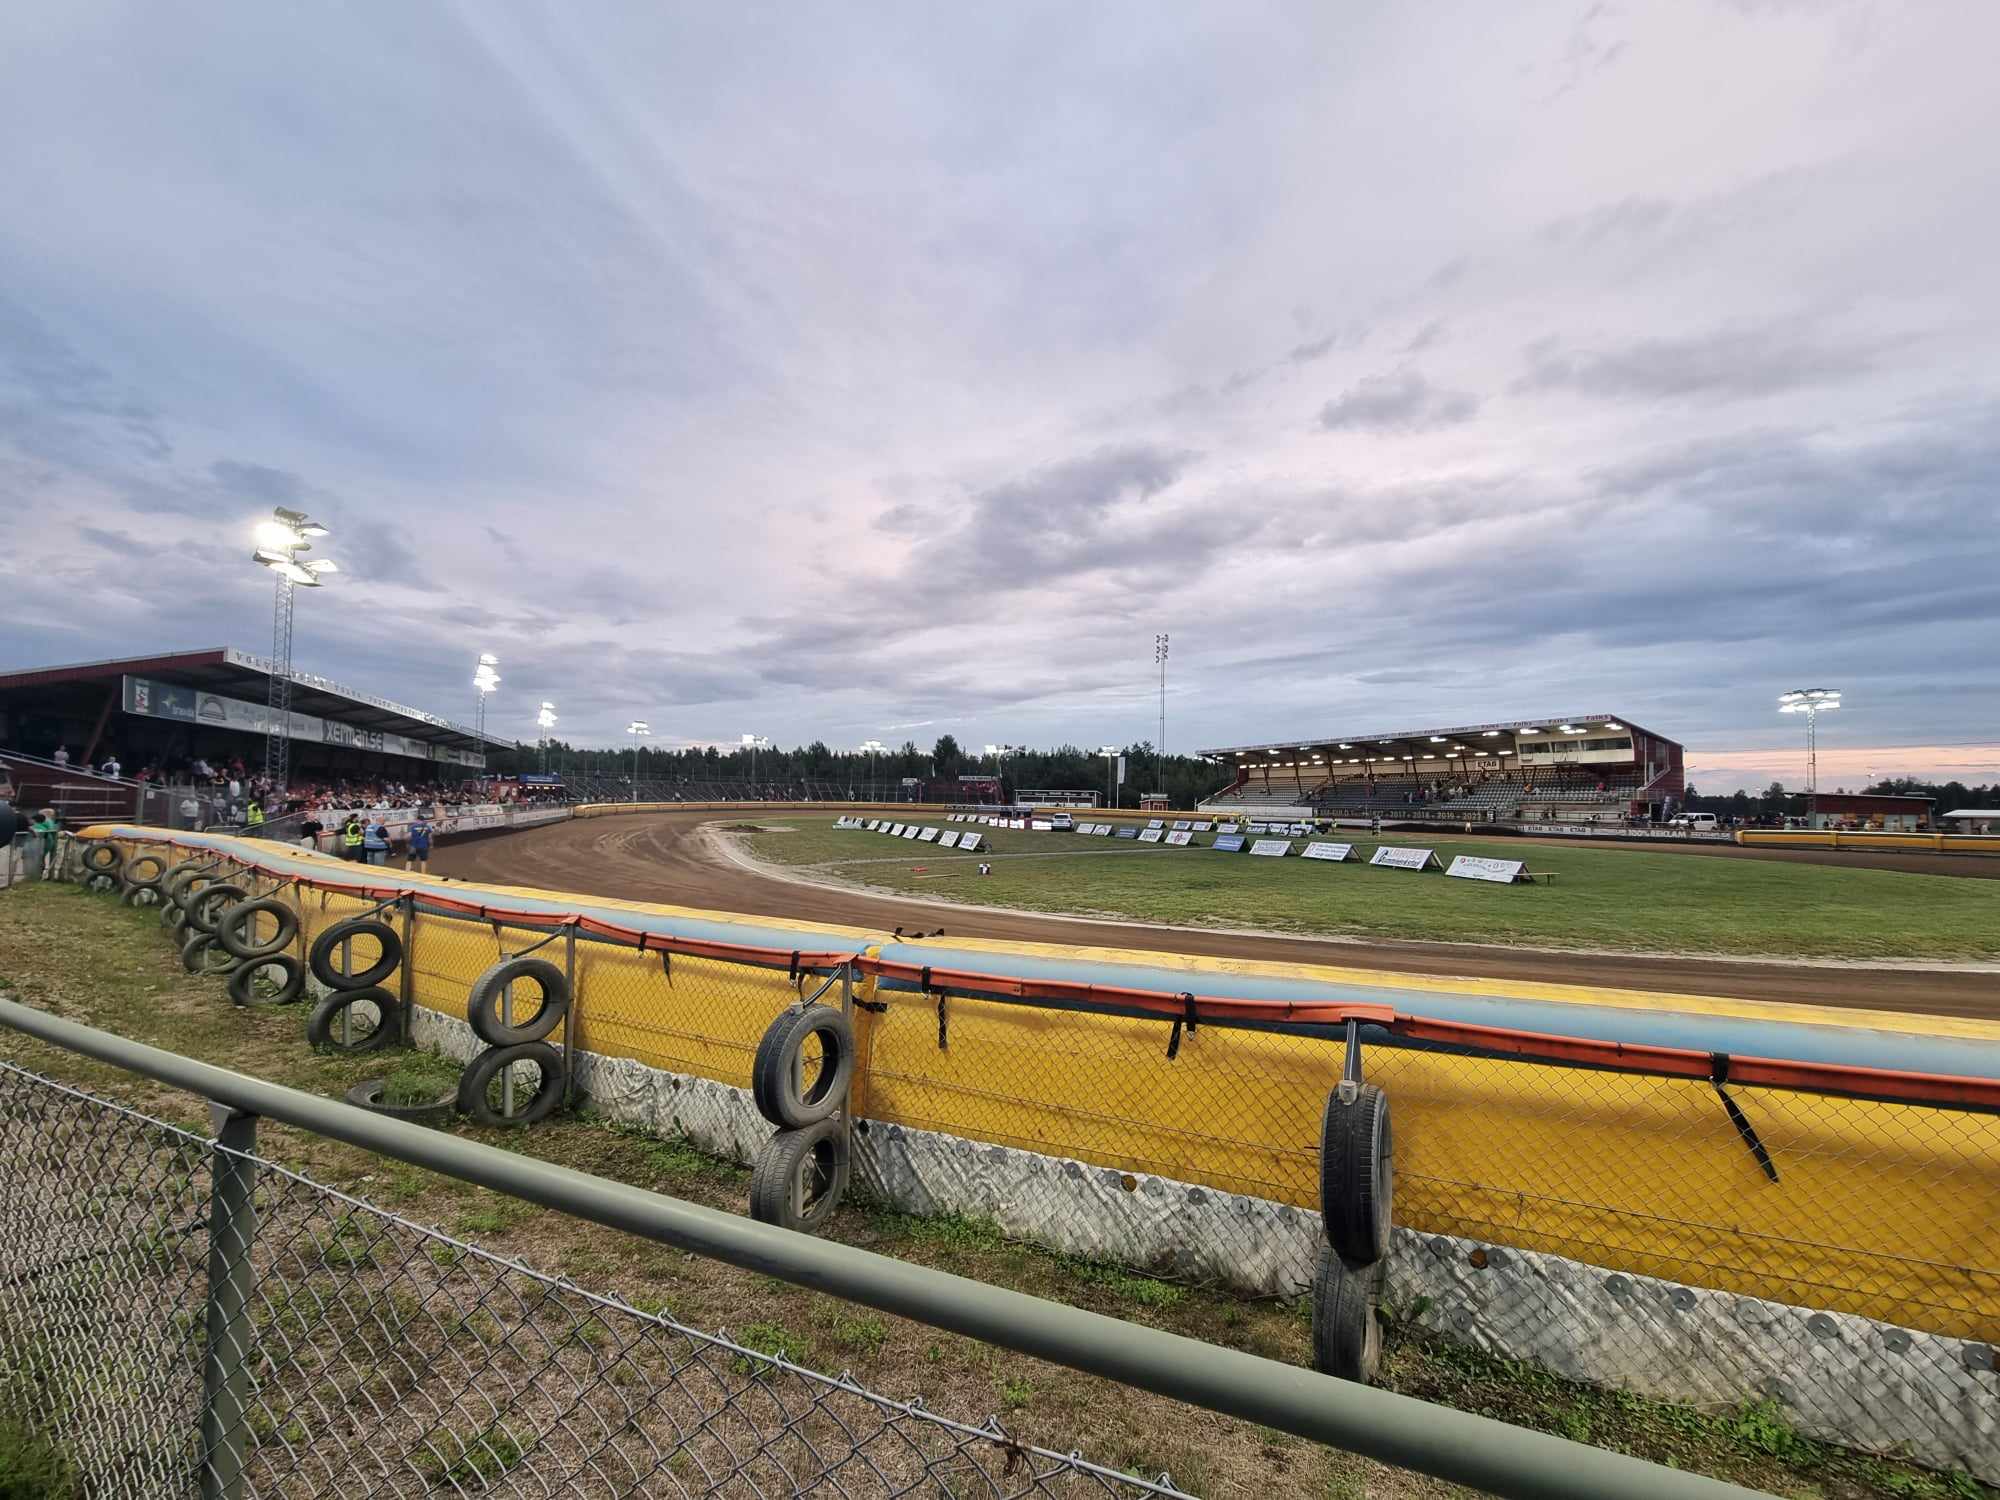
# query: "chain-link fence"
1698 1238
191 1318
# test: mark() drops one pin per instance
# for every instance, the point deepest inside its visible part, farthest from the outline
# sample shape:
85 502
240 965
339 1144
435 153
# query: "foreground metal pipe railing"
1401 1430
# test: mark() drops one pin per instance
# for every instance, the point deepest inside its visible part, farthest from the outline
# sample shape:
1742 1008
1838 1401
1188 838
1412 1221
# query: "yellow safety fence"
1890 1211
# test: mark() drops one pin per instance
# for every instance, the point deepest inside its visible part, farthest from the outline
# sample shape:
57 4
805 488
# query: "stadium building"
160 714
1585 768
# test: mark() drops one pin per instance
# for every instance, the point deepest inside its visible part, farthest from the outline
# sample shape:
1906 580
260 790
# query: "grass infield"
1621 897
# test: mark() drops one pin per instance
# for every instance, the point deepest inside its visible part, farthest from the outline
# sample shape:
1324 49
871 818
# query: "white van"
1695 822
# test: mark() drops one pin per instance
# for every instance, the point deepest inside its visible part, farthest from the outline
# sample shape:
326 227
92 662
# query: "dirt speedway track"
661 857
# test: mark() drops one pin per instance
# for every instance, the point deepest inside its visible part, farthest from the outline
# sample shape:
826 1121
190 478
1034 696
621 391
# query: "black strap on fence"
666 964
1718 1074
1188 1019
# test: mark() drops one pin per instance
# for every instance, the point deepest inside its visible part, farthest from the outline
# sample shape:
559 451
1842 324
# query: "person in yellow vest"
350 837
255 818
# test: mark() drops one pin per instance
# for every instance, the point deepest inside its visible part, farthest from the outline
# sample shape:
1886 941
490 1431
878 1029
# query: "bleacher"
1256 794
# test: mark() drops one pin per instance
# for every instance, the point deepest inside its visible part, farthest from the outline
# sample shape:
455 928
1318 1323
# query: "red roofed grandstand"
1585 768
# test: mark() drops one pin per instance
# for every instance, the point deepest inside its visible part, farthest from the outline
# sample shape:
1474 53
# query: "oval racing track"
664 857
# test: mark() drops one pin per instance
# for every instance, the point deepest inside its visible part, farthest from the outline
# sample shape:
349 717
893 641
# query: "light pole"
1160 755
1000 754
484 680
753 743
639 729
1812 702
873 748
545 721
280 540
1110 754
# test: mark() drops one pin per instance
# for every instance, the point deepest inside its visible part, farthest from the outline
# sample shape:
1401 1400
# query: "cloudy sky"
842 372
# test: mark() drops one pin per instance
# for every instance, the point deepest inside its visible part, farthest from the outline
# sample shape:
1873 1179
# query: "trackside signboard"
1272 848
1327 851
1150 836
969 842
1229 843
1407 859
1180 836
1500 871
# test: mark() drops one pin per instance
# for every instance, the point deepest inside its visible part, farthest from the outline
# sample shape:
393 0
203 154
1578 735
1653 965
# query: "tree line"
1775 802
1066 768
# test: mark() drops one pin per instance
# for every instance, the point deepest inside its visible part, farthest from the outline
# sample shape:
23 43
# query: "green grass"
32 1465
419 1078
1620 897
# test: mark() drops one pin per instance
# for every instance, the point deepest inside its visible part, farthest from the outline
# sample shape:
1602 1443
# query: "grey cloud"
1740 361
266 486
1635 217
1403 401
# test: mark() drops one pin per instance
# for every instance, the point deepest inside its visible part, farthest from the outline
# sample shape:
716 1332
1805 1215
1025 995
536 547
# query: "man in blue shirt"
375 841
420 845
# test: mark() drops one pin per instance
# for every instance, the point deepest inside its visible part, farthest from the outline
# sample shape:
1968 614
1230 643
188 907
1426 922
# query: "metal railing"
344 1350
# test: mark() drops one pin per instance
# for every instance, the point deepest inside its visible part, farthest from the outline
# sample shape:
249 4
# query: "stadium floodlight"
1812 702
1345 746
753 743
1111 754
1437 739
1614 726
484 680
639 729
280 540
545 720
1567 728
1488 733
871 749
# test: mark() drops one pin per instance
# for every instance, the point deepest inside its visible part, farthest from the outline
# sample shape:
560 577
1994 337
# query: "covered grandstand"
1581 768
185 719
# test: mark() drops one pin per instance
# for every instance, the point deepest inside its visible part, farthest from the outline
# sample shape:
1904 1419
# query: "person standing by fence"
50 830
420 845
351 838
375 841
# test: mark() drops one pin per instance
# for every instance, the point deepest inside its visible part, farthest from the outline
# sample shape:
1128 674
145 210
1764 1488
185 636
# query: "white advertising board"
1156 823
1151 835
1472 867
1181 825
1327 851
969 842
1406 859
1180 836
1203 827
1102 830
1040 825
1227 828
948 840
1272 848
911 831
928 836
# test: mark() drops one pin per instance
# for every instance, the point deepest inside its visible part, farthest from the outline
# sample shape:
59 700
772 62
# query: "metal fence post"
407 987
225 1372
569 1019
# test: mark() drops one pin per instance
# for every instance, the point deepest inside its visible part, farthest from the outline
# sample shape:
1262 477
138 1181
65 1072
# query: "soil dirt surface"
665 857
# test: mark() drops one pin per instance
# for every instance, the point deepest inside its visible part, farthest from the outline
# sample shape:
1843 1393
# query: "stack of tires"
256 934
802 1172
358 1014
1357 1185
490 1091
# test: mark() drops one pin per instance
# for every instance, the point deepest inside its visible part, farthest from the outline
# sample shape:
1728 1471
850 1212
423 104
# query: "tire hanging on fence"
97 882
323 1025
1357 1174
142 895
478 1079
774 1073
483 1007
207 905
236 927
154 866
102 857
201 954
326 954
800 1176
1346 1317
243 984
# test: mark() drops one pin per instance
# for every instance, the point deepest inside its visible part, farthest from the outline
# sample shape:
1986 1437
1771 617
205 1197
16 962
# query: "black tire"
172 917
206 905
96 881
103 858
476 1083
201 954
800 1176
1357 1174
323 1025
154 867
243 988
1347 1326
326 954
482 1006
367 1094
236 925
142 895
183 882
774 1077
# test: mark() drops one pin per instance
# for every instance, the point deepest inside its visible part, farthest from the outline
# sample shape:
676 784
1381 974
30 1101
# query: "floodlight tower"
871 749
1110 754
639 729
753 743
545 721
1812 702
1000 754
1160 755
486 680
280 540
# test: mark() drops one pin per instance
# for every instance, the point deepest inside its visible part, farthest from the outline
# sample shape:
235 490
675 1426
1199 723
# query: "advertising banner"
1152 835
911 831
1472 867
1327 851
1406 859
1127 833
928 836
1203 827
1228 843
1102 830
1225 828
1272 848
1156 823
969 842
1180 837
